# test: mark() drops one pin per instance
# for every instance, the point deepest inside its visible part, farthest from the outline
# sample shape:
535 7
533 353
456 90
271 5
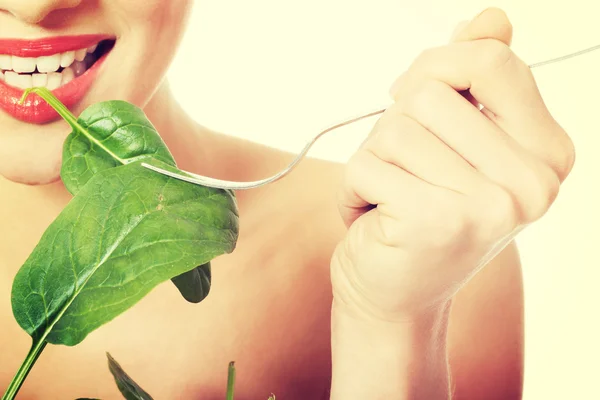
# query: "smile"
65 65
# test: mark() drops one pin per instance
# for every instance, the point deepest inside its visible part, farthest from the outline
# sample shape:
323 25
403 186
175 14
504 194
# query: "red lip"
48 46
35 110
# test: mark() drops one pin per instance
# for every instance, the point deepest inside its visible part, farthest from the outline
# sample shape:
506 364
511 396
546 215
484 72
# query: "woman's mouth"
65 65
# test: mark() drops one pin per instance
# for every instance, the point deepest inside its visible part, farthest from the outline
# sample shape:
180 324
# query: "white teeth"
39 80
67 59
25 81
18 81
22 64
67 75
20 72
11 78
48 63
44 64
54 80
5 62
80 54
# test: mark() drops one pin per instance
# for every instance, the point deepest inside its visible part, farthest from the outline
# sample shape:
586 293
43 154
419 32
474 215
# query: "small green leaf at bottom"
230 380
129 389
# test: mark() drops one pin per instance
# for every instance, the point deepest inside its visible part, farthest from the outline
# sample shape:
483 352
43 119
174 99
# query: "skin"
384 335
498 169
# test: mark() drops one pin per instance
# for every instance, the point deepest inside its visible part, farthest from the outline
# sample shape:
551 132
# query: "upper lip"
50 45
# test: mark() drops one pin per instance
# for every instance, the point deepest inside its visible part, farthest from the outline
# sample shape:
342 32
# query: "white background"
277 72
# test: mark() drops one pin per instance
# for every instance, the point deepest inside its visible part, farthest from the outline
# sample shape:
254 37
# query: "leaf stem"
66 114
230 380
35 351
51 99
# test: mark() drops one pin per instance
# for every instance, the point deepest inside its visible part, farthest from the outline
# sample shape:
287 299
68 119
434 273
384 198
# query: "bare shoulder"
486 334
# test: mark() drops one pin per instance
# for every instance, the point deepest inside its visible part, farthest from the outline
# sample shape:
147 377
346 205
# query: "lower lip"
35 110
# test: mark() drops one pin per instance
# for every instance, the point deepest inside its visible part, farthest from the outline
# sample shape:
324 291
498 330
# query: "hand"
440 187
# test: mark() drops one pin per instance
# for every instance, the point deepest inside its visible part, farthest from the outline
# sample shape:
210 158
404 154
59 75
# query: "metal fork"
235 185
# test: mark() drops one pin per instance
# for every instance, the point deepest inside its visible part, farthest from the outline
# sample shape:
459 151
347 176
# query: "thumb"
491 23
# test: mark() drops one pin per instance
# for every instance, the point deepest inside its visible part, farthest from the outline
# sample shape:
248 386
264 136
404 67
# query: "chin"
32 165
32 175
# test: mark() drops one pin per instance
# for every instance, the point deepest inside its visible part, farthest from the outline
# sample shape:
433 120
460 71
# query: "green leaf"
230 380
107 135
127 230
127 386
194 285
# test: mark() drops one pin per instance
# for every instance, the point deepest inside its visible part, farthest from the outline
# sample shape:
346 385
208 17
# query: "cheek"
154 17
149 33
150 9
156 25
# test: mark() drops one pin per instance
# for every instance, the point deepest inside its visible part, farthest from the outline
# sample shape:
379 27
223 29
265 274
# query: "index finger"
488 68
504 85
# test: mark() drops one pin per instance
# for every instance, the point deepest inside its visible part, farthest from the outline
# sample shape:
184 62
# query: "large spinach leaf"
126 230
107 135
110 134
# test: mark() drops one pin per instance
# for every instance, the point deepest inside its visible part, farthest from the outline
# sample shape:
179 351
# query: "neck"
185 138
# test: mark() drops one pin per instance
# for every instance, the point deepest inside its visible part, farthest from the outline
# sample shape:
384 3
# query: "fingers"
491 23
487 67
399 162
408 209
504 85
463 133
434 142
400 140
445 113
370 181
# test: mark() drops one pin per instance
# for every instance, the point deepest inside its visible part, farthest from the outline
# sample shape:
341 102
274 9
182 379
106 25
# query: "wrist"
381 359
365 313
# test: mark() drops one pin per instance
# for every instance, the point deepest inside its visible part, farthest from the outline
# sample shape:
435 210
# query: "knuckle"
383 124
388 138
354 167
495 54
542 186
426 94
391 137
566 158
499 212
424 57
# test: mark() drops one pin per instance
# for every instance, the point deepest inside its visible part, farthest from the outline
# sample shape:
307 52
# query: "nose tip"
35 11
